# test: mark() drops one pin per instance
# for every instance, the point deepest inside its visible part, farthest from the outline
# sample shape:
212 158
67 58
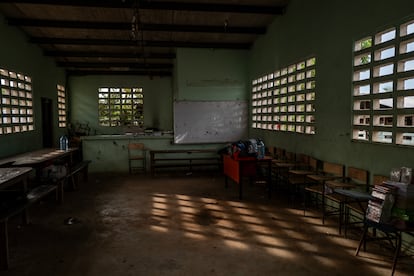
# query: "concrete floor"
183 225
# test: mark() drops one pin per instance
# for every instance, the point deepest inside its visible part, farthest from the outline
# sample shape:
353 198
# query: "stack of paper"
380 206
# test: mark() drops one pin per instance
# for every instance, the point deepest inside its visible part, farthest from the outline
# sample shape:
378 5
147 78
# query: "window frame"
61 105
121 106
284 100
388 118
16 102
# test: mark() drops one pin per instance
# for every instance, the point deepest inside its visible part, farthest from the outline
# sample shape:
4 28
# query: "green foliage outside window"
121 107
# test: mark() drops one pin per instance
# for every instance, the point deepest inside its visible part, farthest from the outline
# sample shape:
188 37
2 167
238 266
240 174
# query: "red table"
236 169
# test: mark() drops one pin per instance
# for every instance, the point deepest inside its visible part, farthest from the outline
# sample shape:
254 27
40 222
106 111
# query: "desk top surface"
185 151
321 177
302 172
340 184
36 157
354 194
9 174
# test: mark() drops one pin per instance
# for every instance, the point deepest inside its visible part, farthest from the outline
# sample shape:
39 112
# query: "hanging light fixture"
135 22
137 33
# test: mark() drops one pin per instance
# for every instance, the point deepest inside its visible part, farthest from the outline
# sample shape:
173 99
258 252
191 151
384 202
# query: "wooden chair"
315 185
270 151
379 179
279 154
357 180
302 161
282 165
296 178
137 156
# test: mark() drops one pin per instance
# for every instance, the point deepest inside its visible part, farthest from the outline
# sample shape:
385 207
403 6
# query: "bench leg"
4 246
73 181
59 190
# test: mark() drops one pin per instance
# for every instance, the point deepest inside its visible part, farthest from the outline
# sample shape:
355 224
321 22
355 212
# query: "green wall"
157 100
199 74
16 54
211 75
327 30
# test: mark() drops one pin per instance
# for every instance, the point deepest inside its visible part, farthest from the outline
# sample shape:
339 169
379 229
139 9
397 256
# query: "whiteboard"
210 121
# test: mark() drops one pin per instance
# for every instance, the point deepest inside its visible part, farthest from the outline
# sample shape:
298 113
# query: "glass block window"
16 102
383 86
121 106
61 101
284 100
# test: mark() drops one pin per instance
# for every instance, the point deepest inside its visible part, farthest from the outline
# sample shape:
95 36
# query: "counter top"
127 136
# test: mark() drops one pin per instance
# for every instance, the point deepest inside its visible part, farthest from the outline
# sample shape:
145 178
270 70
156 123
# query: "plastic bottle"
260 149
263 149
253 149
63 143
67 143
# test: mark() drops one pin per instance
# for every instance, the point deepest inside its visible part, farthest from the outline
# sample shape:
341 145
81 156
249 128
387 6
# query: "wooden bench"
79 167
188 158
15 207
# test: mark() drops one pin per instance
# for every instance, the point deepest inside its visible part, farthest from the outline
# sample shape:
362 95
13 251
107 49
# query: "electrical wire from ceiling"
137 33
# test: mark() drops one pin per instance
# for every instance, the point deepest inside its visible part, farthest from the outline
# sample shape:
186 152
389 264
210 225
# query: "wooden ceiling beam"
23 22
119 72
145 43
133 65
162 5
95 54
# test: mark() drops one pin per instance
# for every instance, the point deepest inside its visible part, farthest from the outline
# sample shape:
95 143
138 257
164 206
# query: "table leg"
240 189
397 252
25 214
240 184
362 241
269 178
4 246
341 216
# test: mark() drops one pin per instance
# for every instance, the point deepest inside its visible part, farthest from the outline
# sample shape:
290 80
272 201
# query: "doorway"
47 122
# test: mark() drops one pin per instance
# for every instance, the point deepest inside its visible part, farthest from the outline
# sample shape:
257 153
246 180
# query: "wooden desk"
347 198
39 159
10 177
246 167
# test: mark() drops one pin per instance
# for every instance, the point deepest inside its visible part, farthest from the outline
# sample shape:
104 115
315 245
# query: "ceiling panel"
137 36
